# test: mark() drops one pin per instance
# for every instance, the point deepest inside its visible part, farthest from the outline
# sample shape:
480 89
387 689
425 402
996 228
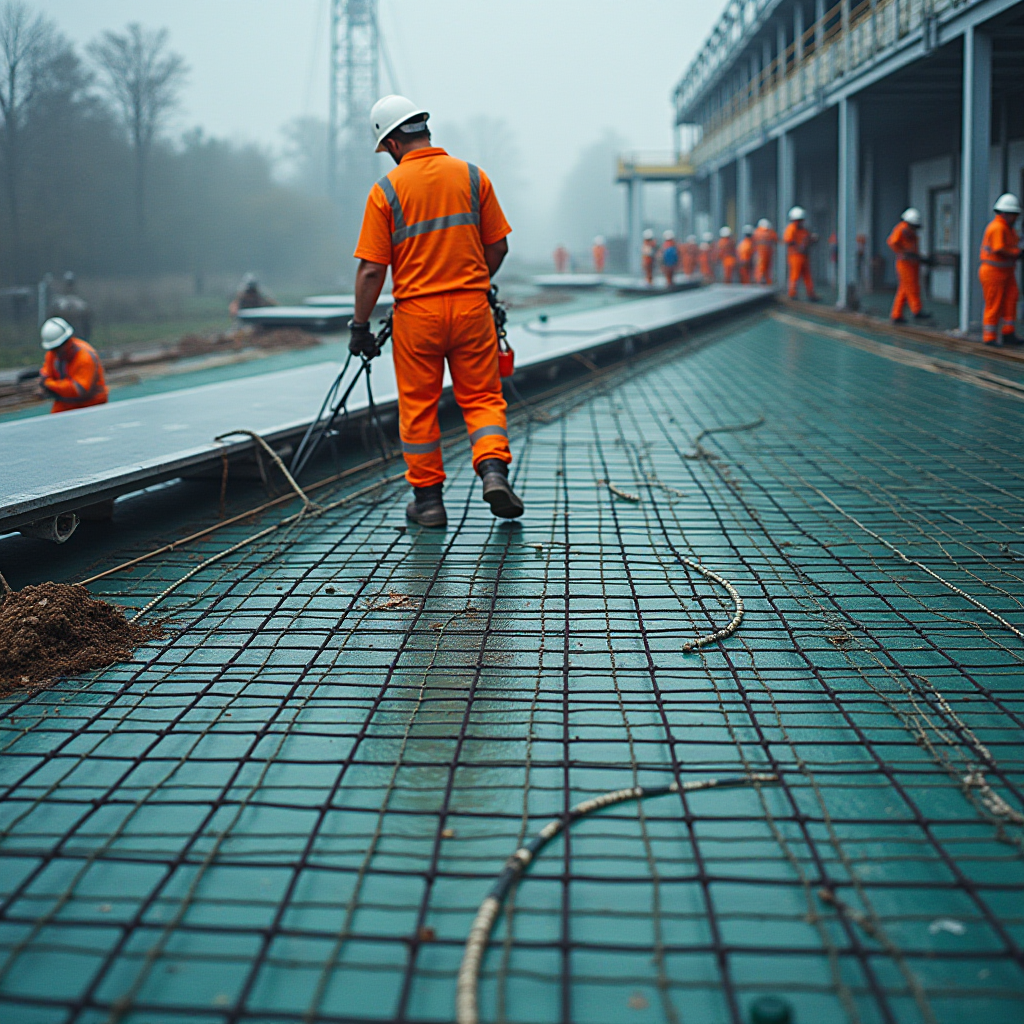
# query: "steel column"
846 230
716 204
785 187
743 204
974 197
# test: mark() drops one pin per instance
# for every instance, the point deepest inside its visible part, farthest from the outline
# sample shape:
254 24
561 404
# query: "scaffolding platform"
57 464
291 807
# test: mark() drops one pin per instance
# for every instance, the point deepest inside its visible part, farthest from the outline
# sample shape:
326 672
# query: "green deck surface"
290 809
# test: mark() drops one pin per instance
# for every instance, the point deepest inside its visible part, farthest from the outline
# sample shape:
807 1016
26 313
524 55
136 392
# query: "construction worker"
904 243
706 257
690 255
1000 251
798 245
648 254
725 254
72 374
745 254
436 221
249 296
561 258
669 257
600 253
765 241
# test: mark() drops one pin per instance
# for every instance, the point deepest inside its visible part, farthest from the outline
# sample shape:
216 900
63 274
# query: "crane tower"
355 87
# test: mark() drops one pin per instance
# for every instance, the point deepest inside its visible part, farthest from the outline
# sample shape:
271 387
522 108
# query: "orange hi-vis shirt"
75 377
903 240
797 238
745 250
1000 245
765 238
429 219
725 249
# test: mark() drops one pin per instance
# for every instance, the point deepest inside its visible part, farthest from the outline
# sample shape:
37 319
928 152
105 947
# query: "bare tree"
28 44
142 79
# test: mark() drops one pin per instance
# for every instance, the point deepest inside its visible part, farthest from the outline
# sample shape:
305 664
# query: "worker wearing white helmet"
1000 251
600 254
725 254
669 258
72 374
798 246
648 256
689 256
437 223
706 257
745 254
904 243
766 241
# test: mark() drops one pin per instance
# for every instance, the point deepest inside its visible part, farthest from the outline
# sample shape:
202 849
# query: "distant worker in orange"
436 221
725 253
765 241
72 374
1000 251
745 254
669 258
706 257
600 254
798 246
561 258
648 255
249 296
690 256
904 243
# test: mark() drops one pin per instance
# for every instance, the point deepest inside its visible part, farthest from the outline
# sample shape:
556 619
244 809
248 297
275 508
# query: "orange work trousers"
670 275
744 272
457 326
763 268
728 268
999 286
909 291
648 265
800 270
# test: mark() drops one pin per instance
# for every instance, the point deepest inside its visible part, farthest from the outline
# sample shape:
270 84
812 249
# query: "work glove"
362 341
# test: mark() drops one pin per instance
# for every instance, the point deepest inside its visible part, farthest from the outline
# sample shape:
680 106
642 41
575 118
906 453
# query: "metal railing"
847 38
653 165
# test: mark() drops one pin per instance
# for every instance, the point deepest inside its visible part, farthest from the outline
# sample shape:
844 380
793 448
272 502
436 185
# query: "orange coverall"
765 241
73 374
745 257
648 254
561 259
430 219
1000 248
725 253
690 252
798 241
903 242
705 257
600 256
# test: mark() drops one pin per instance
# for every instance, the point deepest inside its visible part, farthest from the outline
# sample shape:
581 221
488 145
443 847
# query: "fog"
542 93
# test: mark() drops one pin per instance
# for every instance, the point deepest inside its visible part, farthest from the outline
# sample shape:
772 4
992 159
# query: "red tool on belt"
506 356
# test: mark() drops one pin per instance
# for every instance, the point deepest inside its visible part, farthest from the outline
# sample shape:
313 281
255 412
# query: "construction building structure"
855 111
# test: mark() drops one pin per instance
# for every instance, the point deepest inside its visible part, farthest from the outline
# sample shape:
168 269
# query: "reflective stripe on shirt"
453 220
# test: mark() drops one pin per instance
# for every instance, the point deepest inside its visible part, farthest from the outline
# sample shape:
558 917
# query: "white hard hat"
390 112
1007 203
599 240
725 232
765 223
748 229
798 213
912 216
707 236
55 332
668 235
648 234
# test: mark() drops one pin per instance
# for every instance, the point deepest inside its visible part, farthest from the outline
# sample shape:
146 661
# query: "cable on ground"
466 1009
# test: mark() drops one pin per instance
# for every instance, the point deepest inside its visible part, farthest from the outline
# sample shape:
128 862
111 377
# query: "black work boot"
427 506
498 492
923 315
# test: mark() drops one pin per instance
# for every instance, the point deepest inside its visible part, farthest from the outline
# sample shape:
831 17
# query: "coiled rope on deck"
466 1008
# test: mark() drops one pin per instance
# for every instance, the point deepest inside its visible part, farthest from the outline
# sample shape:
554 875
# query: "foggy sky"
561 72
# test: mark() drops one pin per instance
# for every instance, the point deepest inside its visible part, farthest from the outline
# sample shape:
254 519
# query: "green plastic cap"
771 1010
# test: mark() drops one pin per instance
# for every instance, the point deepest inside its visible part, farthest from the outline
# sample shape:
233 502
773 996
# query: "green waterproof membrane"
291 808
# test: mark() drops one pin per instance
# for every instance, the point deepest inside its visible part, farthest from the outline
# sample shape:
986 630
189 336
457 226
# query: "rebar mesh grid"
290 809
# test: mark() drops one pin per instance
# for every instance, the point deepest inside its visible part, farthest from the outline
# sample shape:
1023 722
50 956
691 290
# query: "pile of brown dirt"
58 629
